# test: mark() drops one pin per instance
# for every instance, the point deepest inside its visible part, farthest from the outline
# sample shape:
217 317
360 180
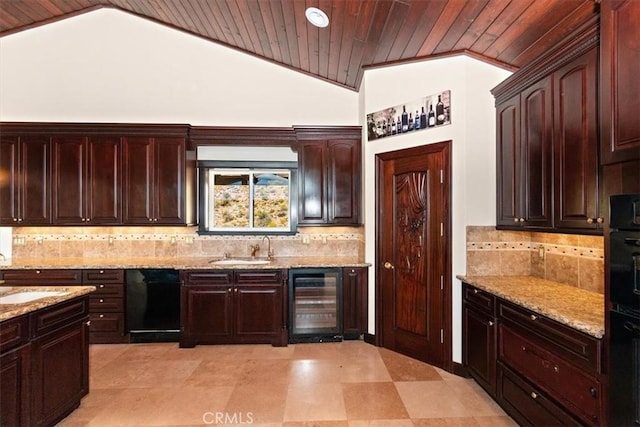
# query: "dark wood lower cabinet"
355 282
541 372
44 364
233 306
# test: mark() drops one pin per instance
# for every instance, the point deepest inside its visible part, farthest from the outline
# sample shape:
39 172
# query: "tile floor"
348 384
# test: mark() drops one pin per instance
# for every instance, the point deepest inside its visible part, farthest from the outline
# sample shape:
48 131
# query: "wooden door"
576 143
138 180
413 253
169 180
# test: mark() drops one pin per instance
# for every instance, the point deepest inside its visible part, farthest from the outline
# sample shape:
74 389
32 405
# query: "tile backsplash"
575 260
136 242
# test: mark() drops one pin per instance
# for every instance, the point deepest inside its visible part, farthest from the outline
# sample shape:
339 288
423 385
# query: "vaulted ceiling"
362 33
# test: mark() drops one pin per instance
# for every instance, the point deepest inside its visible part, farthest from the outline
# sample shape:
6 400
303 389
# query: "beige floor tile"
431 399
321 402
263 403
381 423
403 368
446 422
370 401
265 371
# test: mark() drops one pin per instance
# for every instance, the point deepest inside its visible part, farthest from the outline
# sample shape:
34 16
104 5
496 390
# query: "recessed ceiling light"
317 17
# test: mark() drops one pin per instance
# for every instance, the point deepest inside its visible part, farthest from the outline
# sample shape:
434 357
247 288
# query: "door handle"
388 266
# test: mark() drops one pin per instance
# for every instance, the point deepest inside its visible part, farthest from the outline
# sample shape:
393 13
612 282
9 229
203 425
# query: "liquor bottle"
410 122
384 128
388 132
399 125
405 119
423 119
432 116
416 122
393 127
439 112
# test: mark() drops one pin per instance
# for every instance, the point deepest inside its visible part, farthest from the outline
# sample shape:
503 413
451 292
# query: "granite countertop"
178 263
9 311
580 309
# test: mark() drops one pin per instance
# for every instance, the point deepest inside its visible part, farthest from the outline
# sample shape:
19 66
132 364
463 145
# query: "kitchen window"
247 197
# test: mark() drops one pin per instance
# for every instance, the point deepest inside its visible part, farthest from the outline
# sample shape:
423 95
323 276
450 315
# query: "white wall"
472 132
111 66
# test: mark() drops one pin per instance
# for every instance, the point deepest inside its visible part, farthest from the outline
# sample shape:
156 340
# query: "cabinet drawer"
478 298
13 333
270 277
108 290
90 277
99 304
526 404
60 315
577 347
216 277
106 323
571 386
41 277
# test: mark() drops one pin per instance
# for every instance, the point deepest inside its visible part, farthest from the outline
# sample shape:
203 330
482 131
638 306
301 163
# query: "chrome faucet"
269 250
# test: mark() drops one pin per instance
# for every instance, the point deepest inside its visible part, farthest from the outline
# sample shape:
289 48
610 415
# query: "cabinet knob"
101 316
150 219
600 220
515 220
101 300
37 271
589 220
15 219
556 369
533 317
534 395
521 219
229 290
388 266
593 392
101 271
475 291
490 323
88 323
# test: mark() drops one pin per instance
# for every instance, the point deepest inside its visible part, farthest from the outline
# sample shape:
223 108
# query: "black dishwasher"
153 305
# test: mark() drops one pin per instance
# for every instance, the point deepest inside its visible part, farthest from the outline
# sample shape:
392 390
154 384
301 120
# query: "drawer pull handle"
534 395
533 317
101 316
101 286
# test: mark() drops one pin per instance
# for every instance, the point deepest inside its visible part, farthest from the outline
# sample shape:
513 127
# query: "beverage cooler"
315 305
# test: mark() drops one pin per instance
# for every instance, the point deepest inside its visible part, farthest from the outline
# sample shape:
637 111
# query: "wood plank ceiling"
362 33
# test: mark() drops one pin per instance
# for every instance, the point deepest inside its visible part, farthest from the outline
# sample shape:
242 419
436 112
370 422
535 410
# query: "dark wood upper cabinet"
155 174
547 140
524 137
87 180
620 81
330 168
25 179
576 144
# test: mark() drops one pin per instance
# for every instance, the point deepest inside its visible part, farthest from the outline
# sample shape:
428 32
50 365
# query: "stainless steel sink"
240 261
28 296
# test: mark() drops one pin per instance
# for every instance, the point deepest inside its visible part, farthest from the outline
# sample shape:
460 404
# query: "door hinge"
441 176
441 336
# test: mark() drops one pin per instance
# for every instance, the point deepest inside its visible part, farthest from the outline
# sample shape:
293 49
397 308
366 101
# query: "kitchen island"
44 352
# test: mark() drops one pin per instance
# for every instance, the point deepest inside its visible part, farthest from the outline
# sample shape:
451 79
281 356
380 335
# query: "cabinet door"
258 313
104 181
25 194
138 181
354 301
576 144
69 175
312 198
169 181
479 347
535 150
619 81
207 314
63 350
14 387
343 182
509 169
